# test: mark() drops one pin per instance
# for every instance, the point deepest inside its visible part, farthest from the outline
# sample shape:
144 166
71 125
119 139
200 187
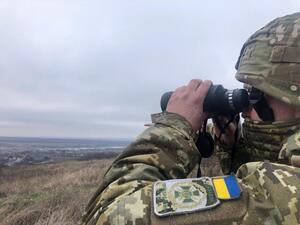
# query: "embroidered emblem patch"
227 187
183 196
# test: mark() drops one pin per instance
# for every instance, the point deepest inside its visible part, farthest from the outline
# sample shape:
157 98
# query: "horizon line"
73 138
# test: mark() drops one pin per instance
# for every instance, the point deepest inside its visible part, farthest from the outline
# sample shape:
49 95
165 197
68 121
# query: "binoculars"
218 100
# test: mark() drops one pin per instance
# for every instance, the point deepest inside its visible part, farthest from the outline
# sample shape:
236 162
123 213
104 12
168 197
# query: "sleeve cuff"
175 121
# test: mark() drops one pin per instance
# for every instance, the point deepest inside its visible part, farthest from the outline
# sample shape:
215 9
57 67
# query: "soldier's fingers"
179 89
223 119
203 89
194 84
177 93
232 127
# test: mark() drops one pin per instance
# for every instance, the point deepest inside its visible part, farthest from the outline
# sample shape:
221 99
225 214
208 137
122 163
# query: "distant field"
56 193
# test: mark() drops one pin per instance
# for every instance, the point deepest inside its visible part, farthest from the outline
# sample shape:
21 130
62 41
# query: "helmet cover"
270 60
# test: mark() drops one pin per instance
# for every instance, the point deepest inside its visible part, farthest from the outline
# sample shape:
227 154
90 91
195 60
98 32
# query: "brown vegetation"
56 194
48 194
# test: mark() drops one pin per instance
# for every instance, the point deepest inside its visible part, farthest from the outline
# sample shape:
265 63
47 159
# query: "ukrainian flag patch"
226 187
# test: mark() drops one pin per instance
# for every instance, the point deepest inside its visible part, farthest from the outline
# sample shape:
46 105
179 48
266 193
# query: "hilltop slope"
48 194
56 193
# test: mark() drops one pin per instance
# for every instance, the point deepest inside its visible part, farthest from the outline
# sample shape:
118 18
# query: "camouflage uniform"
269 145
269 61
166 150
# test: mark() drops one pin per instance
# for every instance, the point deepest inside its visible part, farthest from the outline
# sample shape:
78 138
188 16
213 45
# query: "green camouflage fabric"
262 141
270 60
180 196
166 150
290 148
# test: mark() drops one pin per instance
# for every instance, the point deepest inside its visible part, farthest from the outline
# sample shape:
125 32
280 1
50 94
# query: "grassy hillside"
48 194
56 194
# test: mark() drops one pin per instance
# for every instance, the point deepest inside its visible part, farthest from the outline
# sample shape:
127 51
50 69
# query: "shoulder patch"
183 196
226 187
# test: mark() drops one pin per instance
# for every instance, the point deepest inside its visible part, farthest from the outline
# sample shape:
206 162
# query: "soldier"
147 183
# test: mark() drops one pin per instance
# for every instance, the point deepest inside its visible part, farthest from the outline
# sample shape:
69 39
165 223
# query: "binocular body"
218 100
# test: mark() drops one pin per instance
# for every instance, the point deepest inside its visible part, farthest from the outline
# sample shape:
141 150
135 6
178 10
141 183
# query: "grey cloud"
100 67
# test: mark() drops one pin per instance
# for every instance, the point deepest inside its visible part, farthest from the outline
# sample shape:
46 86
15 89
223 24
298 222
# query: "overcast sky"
97 69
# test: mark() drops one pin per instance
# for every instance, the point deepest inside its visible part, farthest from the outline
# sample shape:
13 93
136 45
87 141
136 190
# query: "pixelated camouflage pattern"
261 141
167 150
224 154
270 59
180 196
274 193
222 151
162 203
290 147
164 151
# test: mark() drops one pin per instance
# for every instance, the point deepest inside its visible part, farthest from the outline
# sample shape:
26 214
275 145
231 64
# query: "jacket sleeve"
165 150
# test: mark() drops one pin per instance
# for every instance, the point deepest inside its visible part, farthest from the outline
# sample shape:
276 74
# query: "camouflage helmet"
270 60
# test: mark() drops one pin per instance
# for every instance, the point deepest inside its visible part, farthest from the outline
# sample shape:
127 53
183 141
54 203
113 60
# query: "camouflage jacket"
277 142
166 150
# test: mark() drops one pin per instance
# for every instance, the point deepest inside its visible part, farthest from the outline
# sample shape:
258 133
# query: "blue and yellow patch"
227 187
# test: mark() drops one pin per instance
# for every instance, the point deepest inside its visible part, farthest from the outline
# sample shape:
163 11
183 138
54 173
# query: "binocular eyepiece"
218 100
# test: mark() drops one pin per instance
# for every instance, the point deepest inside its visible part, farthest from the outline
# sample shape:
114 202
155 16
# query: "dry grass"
56 194
48 194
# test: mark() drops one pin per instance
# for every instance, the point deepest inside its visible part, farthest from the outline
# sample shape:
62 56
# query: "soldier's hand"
227 138
187 101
